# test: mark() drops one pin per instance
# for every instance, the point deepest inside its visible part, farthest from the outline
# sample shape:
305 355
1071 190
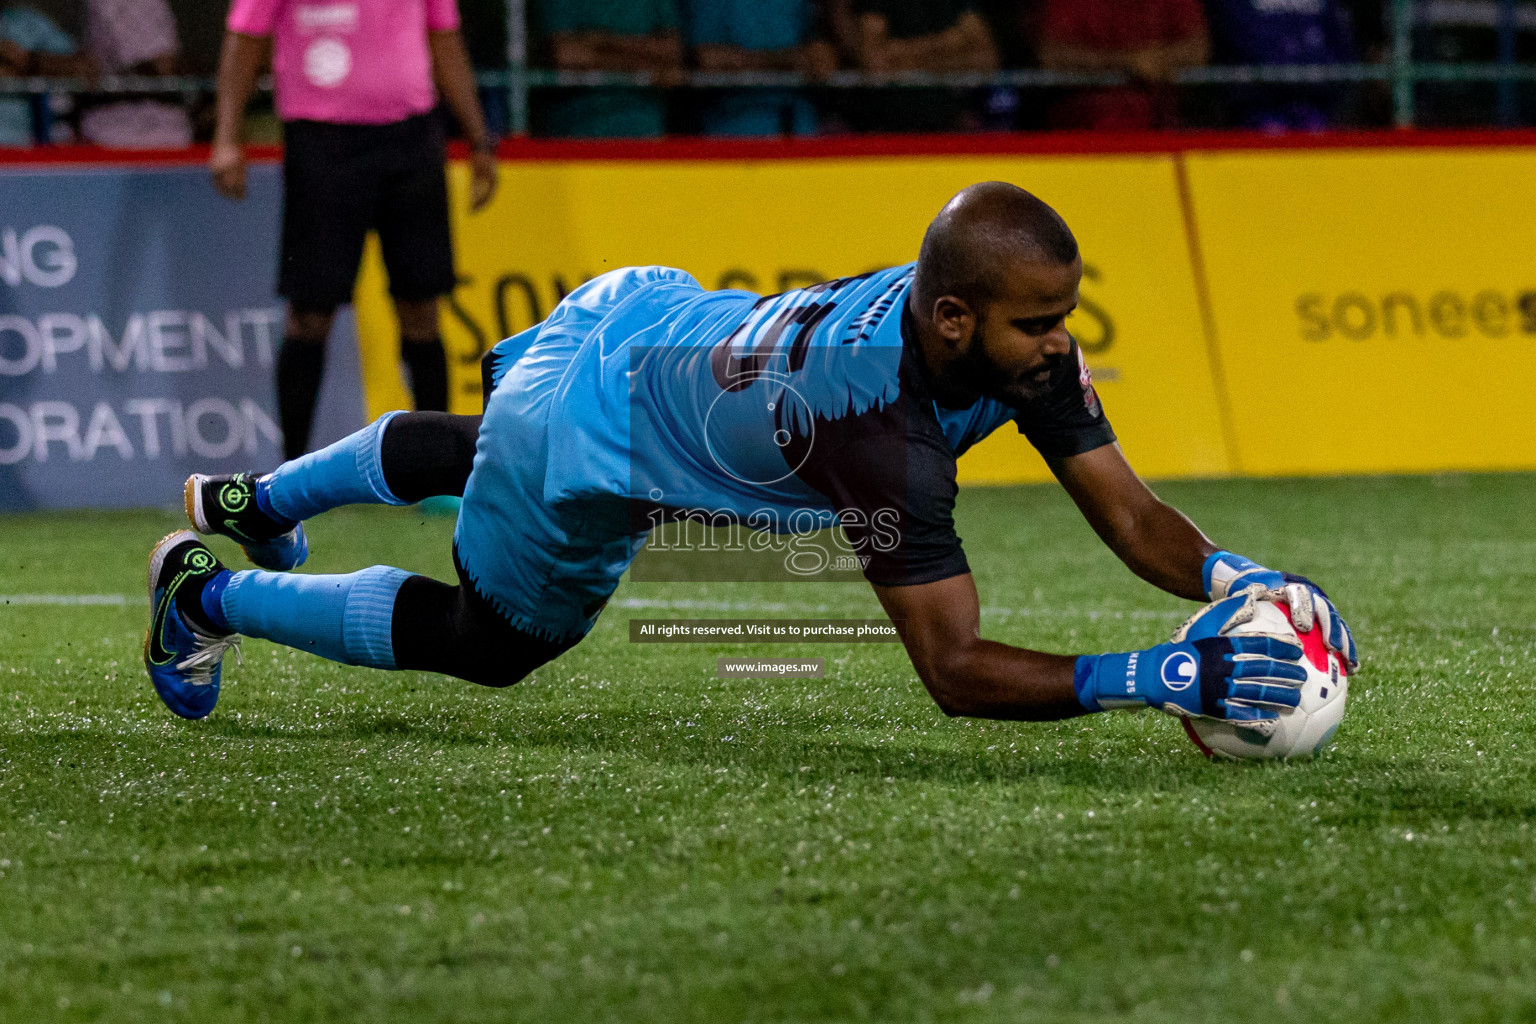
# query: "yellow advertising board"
769 225
1375 310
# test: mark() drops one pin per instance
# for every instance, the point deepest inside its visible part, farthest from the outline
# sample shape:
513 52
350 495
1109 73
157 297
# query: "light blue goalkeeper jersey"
789 412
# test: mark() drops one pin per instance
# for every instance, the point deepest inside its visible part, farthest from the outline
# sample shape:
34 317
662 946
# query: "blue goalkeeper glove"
1203 674
1226 574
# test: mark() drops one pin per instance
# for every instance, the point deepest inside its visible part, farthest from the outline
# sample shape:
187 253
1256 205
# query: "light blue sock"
343 618
349 472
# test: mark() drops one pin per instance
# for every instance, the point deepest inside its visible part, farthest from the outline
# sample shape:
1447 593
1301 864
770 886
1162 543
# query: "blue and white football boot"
184 649
230 505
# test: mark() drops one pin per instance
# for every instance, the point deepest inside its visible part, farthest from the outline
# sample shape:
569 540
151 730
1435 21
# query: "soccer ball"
1301 731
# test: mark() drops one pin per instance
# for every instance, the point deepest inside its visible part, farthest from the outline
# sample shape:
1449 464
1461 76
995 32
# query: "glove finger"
1215 619
1274 695
1286 673
1294 577
1331 624
1349 653
1302 607
1327 620
1337 637
1337 641
1258 719
1267 646
1258 588
1237 584
1255 575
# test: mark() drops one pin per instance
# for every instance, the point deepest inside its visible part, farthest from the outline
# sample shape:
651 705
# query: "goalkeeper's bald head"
982 231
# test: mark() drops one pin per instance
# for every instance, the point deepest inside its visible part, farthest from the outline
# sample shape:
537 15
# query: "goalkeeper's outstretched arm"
940 623
1204 673
1161 545
1154 539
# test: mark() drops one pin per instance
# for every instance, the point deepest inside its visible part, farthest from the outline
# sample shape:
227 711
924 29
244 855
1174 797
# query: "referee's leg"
330 185
300 366
417 247
421 349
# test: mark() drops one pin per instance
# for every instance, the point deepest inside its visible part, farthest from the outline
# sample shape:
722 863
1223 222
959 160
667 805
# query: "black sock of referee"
299 366
428 365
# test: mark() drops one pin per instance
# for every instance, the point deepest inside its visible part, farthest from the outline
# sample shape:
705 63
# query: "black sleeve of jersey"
1068 419
894 490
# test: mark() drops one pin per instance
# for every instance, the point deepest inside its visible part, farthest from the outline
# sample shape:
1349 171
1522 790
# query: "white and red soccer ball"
1301 731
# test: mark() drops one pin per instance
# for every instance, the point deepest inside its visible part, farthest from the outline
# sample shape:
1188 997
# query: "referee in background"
357 83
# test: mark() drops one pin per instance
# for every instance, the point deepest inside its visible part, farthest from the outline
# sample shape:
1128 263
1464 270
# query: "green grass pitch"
625 837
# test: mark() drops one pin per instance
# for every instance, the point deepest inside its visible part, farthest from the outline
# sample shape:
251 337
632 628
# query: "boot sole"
192 498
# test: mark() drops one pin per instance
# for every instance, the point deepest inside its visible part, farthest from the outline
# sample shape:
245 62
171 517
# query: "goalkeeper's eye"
1037 326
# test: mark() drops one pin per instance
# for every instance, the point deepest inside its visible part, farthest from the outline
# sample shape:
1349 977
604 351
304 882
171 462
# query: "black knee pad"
456 631
426 454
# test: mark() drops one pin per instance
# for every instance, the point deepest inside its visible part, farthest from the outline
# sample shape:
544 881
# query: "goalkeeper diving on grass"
644 397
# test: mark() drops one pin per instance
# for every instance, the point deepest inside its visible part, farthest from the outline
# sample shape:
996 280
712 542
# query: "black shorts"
342 180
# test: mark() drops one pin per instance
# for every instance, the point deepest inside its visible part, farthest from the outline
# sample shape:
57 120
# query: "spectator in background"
757 35
913 35
1295 32
32 44
134 37
608 35
1150 40
363 150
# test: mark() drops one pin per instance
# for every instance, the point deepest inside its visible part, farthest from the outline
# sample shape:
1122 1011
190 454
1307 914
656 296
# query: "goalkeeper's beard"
980 373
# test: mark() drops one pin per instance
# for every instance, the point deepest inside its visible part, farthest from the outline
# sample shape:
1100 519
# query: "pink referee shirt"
348 61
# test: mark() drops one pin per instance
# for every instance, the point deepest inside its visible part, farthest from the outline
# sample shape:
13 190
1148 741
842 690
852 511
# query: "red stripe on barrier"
74 156
849 146
991 144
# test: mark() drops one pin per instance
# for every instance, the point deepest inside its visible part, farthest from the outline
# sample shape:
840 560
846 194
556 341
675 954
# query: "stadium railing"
1403 77
1399 70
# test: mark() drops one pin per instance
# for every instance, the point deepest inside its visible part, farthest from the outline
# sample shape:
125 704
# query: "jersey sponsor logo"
1085 379
327 62
326 17
1179 671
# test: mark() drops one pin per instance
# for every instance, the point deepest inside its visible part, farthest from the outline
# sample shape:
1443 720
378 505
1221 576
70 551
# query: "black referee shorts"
342 180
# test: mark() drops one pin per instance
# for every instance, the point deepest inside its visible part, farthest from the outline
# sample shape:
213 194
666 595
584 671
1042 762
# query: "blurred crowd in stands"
1147 42
1150 41
116 37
